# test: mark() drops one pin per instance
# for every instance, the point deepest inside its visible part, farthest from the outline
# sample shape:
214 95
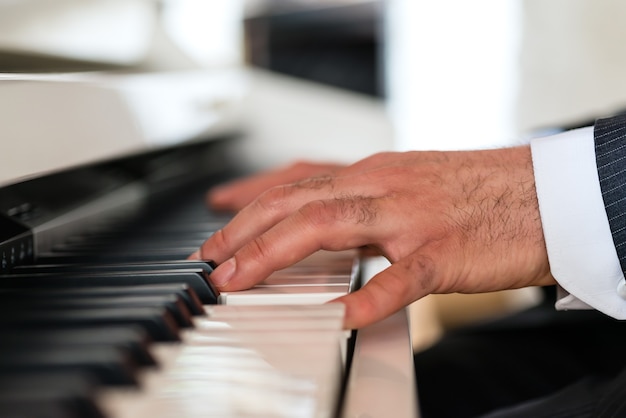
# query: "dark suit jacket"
610 144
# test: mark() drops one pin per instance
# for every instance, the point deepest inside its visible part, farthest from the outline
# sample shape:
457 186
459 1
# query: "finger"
374 161
270 208
390 290
239 193
336 224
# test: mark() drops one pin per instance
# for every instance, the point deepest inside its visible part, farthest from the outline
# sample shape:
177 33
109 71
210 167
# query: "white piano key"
273 370
267 311
280 295
204 325
306 279
284 373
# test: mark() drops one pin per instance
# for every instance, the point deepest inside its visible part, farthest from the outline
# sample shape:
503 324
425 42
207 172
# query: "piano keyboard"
114 322
278 363
102 316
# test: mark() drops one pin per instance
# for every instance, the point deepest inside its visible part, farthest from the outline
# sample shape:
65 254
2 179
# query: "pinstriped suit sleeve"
610 146
582 254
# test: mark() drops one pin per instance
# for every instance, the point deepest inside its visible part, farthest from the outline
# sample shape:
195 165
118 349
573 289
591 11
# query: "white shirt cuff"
582 256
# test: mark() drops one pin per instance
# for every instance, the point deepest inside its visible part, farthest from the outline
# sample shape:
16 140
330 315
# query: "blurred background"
490 72
376 75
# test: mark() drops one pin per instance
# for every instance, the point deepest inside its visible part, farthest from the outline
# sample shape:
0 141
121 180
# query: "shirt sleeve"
582 256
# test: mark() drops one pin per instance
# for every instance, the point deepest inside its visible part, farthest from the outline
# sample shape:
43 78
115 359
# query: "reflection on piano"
102 316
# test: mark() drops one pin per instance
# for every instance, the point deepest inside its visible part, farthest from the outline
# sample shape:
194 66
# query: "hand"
447 221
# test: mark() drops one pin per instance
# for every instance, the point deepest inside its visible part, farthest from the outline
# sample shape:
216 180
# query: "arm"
448 222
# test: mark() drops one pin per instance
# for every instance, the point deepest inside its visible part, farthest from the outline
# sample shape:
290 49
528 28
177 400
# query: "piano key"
109 366
305 280
195 278
278 365
186 293
48 395
280 295
172 303
131 338
107 236
132 246
276 311
158 323
253 325
48 403
204 266
129 256
44 405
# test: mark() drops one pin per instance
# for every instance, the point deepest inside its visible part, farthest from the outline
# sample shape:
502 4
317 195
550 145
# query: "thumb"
405 281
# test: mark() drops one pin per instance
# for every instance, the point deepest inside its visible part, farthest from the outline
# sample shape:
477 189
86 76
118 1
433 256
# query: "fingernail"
224 272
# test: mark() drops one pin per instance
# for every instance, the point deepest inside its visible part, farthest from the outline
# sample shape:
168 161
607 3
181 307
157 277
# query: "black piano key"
147 246
158 323
172 233
195 278
46 403
205 266
172 303
48 395
108 365
122 257
183 291
130 338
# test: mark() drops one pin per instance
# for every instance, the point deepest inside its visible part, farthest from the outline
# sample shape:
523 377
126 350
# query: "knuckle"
220 238
362 209
274 199
353 209
395 284
258 250
358 209
316 182
319 212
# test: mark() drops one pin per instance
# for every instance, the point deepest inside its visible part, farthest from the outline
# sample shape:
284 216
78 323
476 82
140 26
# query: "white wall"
573 62
451 71
481 73
208 31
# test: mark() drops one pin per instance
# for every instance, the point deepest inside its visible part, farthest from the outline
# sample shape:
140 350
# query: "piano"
103 316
